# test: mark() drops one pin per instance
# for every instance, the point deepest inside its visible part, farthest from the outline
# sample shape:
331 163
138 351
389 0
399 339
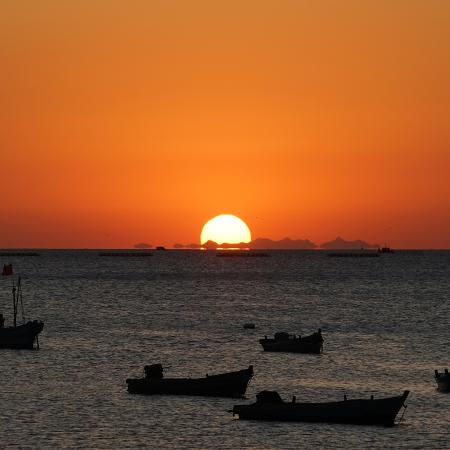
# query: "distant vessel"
442 380
19 336
385 250
357 254
160 247
16 254
284 342
230 384
270 406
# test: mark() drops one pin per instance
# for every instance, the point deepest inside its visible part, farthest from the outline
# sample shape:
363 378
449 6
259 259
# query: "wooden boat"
442 380
284 342
269 406
19 336
231 384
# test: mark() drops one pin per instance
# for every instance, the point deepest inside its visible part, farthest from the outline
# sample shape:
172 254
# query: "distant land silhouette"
258 244
283 244
142 245
342 244
190 246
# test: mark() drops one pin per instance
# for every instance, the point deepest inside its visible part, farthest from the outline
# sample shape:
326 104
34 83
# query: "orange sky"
123 122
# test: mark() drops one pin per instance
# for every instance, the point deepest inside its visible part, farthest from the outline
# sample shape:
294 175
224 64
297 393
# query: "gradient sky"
139 120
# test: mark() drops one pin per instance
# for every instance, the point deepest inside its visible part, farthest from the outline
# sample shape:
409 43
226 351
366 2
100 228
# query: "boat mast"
14 303
19 296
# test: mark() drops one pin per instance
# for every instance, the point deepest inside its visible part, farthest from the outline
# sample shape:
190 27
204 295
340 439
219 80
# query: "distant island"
257 244
342 244
283 244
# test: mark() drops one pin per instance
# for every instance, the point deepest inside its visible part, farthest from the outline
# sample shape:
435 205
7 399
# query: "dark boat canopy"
268 397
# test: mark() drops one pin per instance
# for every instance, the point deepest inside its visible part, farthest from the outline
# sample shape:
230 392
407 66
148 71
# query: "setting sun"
225 228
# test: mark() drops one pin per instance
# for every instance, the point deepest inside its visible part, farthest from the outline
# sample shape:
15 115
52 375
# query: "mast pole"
19 296
14 304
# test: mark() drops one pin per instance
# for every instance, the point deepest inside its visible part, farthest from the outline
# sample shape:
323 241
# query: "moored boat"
442 380
230 384
22 336
284 342
269 406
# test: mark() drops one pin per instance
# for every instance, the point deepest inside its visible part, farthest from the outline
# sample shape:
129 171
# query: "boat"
270 406
230 384
442 380
385 249
285 342
358 254
19 254
22 336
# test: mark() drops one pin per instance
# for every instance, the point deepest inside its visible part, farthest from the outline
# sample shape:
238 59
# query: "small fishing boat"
285 342
270 406
230 384
442 380
22 336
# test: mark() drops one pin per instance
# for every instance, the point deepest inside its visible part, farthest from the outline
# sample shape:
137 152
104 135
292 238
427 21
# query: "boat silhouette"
285 342
442 380
22 336
230 384
270 406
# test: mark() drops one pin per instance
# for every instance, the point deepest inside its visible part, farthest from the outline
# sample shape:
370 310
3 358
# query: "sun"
225 228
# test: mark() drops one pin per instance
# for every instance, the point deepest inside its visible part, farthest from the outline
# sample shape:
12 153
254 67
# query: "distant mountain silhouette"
142 245
212 245
257 244
342 244
190 246
283 244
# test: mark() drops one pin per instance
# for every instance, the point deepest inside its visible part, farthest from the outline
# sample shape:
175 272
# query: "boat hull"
22 336
360 412
307 344
233 384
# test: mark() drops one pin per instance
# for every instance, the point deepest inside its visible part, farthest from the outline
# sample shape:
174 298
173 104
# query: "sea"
385 322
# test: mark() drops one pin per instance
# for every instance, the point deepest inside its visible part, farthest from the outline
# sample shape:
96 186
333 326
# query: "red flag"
7 269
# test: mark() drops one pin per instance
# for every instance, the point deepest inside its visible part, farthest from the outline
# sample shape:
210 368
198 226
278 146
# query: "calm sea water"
385 322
